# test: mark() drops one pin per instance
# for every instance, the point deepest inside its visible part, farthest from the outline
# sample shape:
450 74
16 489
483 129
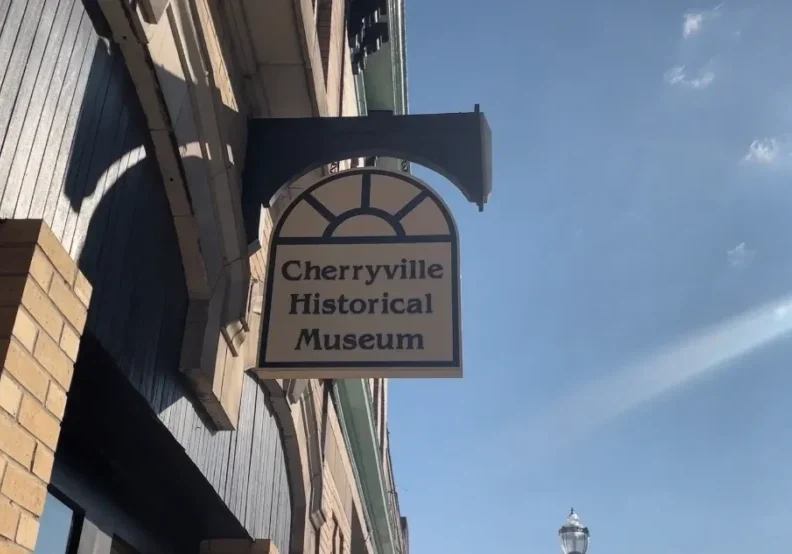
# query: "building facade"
130 295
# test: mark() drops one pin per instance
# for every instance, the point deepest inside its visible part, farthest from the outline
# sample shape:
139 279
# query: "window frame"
85 536
77 519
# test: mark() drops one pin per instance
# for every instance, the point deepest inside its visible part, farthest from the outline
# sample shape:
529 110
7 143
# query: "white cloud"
692 24
677 76
703 80
575 415
763 151
783 310
693 21
740 255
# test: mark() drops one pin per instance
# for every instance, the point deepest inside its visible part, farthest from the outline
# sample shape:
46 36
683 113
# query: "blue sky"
625 291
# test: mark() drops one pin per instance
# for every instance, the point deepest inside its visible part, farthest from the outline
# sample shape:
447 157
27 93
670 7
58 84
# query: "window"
58 528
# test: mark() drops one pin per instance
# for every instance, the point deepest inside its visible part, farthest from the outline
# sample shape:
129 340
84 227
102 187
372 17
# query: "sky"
626 291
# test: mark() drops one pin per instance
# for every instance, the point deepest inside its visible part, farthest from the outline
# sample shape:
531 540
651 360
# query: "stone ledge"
215 356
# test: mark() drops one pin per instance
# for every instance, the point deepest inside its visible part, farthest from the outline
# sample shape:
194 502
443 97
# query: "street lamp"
574 537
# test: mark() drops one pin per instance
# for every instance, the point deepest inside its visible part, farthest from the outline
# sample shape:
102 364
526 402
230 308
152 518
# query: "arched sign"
363 281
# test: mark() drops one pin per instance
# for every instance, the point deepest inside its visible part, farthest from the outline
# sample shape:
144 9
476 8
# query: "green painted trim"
386 73
405 89
360 90
396 53
357 423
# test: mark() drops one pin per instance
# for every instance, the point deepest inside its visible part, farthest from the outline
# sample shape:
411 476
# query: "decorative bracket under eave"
281 150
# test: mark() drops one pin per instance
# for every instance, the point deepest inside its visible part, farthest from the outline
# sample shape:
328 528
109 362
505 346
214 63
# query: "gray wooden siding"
74 150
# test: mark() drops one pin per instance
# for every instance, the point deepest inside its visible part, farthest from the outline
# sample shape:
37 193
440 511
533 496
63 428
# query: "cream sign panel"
363 281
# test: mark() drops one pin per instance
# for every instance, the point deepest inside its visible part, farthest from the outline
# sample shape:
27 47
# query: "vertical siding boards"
226 442
270 499
4 5
80 65
268 462
279 476
39 175
108 267
270 442
8 33
89 130
284 514
142 345
174 312
48 80
19 84
237 500
255 495
15 41
75 151
273 473
104 170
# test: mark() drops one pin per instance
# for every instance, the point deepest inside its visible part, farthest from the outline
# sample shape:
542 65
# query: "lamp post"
574 537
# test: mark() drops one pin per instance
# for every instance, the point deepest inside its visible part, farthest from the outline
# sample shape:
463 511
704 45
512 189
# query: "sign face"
363 281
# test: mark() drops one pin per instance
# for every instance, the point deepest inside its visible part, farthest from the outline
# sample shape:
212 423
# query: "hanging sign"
362 282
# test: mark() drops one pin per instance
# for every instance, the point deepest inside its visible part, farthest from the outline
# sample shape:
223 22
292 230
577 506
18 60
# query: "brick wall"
340 501
340 492
43 307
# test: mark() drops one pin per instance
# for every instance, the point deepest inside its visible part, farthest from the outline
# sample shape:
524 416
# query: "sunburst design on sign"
367 206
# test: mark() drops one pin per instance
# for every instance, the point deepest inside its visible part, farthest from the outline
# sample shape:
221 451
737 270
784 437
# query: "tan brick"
38 421
3 464
56 401
42 309
9 519
52 247
27 533
263 546
83 289
15 260
19 231
67 302
11 289
34 231
41 269
7 547
24 489
10 394
14 442
70 343
7 318
25 370
43 461
25 329
54 361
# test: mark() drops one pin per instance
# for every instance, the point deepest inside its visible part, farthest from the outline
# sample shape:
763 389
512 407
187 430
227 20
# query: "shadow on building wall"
129 250
113 215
